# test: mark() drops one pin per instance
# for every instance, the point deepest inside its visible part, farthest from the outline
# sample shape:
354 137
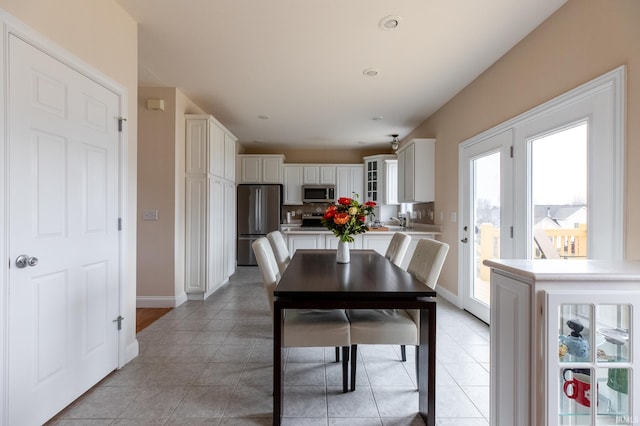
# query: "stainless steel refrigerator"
259 212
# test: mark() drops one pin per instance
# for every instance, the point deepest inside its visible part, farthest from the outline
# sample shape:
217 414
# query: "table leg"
277 363
427 358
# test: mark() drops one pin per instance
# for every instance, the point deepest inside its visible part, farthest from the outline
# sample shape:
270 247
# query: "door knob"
23 261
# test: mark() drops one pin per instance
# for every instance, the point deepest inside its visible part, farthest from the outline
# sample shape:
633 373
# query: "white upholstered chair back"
427 260
398 248
280 250
267 265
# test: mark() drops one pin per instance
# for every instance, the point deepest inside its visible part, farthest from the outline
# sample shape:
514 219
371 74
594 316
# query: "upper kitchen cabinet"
292 184
416 171
257 168
319 175
381 179
349 180
211 148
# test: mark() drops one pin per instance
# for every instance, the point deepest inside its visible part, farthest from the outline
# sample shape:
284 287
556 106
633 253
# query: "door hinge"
119 321
511 232
120 120
119 224
511 151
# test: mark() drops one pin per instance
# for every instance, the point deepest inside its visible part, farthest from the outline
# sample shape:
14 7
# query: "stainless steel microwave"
318 193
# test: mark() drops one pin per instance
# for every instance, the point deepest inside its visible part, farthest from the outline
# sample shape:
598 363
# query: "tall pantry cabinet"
210 206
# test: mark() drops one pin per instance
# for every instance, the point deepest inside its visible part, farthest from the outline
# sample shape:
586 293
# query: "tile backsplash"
297 211
424 212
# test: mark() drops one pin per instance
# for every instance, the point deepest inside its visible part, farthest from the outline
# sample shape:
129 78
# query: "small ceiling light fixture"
370 72
390 23
394 143
377 118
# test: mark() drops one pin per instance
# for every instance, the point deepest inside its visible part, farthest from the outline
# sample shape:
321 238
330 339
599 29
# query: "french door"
546 184
486 180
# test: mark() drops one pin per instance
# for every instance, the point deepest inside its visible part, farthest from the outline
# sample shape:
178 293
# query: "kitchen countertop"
418 229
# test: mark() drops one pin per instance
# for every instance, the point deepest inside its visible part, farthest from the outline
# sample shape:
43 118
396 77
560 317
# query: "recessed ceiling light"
263 117
370 72
389 23
377 118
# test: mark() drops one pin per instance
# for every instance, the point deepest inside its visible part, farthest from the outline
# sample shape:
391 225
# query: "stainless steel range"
312 221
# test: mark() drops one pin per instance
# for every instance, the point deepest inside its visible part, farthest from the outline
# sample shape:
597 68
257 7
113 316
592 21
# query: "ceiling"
292 72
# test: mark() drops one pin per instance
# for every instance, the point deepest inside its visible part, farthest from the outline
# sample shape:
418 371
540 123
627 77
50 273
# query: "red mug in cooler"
579 388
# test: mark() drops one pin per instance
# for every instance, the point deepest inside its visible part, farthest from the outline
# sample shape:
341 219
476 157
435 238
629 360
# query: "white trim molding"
160 301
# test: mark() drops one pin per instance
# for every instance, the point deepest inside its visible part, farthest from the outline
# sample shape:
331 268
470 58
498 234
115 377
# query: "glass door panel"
591 375
486 220
559 193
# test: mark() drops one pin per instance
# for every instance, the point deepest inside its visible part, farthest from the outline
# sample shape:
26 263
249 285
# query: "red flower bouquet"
348 218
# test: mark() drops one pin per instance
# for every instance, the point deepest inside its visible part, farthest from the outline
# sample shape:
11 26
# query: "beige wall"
105 38
161 146
582 40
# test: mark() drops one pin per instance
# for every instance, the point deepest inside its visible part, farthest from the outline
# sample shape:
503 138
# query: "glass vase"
342 255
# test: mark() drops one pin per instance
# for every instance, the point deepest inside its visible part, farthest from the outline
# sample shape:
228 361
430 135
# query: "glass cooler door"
590 357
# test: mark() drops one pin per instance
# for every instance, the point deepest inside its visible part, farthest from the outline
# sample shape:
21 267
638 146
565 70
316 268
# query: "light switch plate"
151 214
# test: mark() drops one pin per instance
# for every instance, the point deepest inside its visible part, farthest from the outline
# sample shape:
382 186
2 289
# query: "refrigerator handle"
259 210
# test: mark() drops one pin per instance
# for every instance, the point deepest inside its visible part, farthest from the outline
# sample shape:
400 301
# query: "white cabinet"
349 180
210 147
391 181
319 174
230 157
331 242
563 342
377 242
209 205
381 179
292 184
305 241
416 171
229 231
254 168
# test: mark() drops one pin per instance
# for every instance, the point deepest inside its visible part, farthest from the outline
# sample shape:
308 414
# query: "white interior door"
486 216
63 211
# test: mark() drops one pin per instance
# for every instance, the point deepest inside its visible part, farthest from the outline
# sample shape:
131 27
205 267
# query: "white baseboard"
130 352
450 297
160 301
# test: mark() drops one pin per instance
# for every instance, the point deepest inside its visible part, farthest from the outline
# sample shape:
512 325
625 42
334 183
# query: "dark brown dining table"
314 280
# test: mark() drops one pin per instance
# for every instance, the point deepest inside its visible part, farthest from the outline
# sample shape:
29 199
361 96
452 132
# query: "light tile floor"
210 363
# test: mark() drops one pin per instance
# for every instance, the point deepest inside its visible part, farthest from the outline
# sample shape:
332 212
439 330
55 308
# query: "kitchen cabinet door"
391 182
229 233
311 175
377 242
349 180
216 150
331 242
272 169
327 175
300 241
416 171
215 252
292 185
230 157
250 169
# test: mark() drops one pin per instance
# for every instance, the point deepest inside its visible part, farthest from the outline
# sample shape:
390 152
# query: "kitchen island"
315 238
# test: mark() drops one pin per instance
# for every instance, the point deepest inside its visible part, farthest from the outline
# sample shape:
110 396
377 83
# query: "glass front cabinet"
564 342
593 335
